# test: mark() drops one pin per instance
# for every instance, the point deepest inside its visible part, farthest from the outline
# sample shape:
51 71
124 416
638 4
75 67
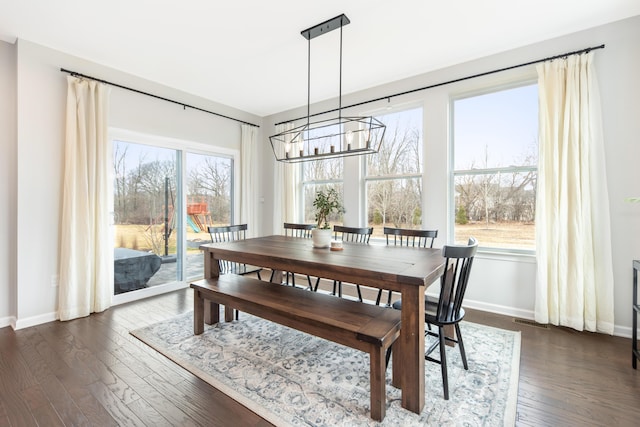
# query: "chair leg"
387 356
461 345
379 297
315 288
335 284
258 273
273 272
443 363
359 293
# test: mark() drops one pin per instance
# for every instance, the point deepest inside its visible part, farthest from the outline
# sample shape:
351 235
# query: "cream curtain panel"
249 179
574 285
86 250
286 189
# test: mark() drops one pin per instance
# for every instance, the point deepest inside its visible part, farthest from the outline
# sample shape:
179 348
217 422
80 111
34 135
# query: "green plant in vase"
326 203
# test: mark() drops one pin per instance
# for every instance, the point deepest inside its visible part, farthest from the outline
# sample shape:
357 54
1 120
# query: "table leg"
409 374
450 331
198 313
211 270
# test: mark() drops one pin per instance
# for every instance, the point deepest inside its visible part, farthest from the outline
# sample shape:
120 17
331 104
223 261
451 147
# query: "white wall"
41 101
7 181
506 283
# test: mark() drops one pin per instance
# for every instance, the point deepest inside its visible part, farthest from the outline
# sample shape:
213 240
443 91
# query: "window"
320 175
393 176
391 181
495 158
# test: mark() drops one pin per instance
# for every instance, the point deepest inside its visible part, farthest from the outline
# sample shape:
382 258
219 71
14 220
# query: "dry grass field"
502 235
508 235
150 238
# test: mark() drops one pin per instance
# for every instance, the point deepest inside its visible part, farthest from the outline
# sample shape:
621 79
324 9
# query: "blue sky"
504 123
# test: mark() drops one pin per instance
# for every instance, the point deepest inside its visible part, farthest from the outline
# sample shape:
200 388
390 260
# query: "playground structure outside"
150 237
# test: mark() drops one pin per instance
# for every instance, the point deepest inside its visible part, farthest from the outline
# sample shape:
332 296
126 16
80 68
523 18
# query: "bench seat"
365 327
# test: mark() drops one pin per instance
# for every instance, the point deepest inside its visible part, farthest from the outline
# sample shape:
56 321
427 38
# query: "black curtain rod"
75 74
486 73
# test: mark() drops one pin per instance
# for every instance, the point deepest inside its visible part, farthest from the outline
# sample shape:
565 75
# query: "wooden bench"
361 326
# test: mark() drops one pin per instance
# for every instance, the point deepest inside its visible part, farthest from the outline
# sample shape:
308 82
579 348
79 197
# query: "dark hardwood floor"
90 371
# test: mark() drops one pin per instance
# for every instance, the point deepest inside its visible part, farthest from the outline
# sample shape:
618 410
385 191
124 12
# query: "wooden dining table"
406 270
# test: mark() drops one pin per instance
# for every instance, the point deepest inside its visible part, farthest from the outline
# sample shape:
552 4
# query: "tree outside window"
320 175
394 174
495 168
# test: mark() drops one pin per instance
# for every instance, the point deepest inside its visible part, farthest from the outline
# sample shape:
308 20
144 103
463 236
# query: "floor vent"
531 323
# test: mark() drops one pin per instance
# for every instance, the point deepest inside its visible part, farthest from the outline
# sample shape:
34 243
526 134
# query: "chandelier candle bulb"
315 151
333 149
301 153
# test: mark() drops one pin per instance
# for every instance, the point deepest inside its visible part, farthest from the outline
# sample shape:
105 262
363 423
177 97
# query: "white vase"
321 237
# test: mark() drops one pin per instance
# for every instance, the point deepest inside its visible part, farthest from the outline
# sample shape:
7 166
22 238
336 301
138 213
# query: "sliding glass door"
209 203
145 207
163 201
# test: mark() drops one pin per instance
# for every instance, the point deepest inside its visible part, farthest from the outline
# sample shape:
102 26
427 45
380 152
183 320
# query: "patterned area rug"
291 378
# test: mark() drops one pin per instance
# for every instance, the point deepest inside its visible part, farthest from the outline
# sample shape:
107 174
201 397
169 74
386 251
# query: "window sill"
528 256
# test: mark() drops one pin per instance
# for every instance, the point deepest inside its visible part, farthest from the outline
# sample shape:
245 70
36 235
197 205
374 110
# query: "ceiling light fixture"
335 137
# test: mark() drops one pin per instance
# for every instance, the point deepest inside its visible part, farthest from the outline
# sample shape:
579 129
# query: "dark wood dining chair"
229 233
355 235
447 309
302 231
407 237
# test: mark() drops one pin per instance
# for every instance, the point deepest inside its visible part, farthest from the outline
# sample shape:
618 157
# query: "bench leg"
211 312
228 314
377 383
204 311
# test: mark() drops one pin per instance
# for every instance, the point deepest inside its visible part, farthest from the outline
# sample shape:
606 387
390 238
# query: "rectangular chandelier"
335 137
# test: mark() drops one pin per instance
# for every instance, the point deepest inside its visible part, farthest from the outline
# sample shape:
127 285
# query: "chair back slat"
408 237
352 234
454 281
228 233
298 230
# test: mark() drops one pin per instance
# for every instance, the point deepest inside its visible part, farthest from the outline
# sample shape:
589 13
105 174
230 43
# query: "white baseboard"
35 320
8 321
623 331
618 331
500 309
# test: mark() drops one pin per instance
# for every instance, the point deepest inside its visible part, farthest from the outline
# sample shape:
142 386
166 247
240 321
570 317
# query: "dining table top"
371 264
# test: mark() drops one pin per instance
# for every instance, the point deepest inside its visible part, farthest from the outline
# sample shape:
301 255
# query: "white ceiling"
249 54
